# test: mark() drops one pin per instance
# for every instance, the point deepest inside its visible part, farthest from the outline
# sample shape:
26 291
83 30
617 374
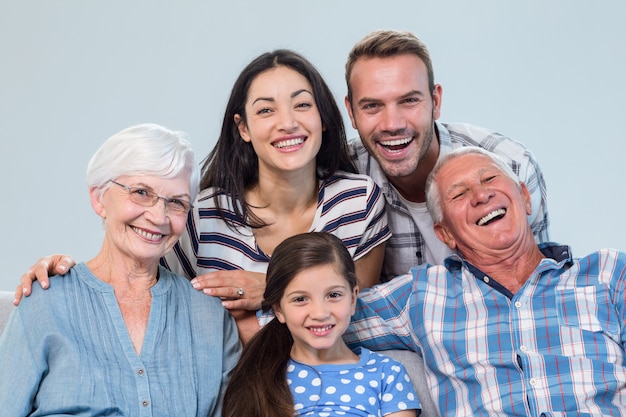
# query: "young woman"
280 167
298 362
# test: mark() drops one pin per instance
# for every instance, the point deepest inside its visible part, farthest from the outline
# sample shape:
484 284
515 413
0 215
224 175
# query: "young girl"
299 363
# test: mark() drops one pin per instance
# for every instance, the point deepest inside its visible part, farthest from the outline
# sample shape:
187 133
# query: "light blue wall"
547 73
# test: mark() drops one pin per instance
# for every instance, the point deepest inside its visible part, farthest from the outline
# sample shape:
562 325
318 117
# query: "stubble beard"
407 166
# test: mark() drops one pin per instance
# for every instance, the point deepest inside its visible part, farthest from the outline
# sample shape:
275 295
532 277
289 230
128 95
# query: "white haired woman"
125 336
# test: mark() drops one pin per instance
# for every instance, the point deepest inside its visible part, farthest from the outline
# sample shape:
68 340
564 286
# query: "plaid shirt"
555 348
406 248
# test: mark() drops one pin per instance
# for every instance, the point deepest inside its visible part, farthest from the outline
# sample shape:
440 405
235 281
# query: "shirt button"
486 279
144 403
518 304
533 382
140 371
523 348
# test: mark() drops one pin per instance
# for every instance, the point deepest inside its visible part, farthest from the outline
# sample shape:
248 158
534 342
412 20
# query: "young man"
394 104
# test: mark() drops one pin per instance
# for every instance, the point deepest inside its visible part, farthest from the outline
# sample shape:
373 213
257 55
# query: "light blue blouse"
67 351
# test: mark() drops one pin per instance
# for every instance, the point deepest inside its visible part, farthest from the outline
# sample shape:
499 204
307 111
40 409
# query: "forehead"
465 166
316 277
270 82
402 69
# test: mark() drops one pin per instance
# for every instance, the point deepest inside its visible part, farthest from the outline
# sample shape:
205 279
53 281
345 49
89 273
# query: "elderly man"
394 103
506 327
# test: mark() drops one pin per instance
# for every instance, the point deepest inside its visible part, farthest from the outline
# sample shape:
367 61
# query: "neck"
413 186
285 195
125 275
510 268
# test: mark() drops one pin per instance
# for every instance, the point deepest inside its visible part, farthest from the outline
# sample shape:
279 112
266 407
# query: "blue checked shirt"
406 248
555 348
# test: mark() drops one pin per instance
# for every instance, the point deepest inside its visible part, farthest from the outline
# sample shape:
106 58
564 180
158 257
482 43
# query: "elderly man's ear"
527 198
442 234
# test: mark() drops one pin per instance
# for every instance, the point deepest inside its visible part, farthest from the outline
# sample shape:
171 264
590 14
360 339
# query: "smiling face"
316 306
394 111
282 121
132 231
484 210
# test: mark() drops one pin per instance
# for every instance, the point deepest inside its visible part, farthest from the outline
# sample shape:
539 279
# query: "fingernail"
44 285
62 268
208 291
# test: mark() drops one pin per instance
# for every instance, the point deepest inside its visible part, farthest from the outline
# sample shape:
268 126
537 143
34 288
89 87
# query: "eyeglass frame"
155 199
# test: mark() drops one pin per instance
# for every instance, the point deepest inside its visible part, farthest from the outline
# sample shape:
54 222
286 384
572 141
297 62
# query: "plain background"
550 74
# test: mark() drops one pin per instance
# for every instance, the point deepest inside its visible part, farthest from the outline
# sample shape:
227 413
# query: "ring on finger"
240 292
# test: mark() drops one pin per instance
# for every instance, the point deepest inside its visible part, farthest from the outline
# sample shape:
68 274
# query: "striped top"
554 348
349 206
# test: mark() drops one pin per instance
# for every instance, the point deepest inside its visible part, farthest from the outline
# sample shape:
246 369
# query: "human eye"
178 205
299 299
370 106
457 195
263 110
489 178
335 294
304 105
141 194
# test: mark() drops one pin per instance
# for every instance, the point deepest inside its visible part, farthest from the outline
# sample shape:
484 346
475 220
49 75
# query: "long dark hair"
232 166
258 384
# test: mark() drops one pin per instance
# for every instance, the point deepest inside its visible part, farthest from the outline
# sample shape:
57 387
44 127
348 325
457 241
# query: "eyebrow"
337 287
292 95
403 96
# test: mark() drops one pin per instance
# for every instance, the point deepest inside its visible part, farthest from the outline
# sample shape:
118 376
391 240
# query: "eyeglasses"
149 198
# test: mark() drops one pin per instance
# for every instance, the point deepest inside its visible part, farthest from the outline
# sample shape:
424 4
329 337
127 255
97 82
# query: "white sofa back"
6 306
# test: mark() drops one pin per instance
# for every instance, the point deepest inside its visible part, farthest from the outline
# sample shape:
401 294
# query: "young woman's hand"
42 269
238 289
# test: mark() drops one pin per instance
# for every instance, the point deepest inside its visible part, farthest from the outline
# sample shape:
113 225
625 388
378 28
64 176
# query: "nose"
319 310
288 121
481 195
392 120
158 212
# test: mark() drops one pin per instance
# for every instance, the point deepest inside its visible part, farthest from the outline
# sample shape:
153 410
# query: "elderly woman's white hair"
144 149
433 197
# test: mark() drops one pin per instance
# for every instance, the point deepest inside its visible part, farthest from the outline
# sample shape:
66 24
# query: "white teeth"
491 216
289 142
396 142
320 329
149 236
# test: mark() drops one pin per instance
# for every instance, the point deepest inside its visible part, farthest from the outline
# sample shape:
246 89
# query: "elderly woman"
124 336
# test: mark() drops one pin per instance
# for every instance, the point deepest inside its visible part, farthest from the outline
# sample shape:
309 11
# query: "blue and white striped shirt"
555 348
349 206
